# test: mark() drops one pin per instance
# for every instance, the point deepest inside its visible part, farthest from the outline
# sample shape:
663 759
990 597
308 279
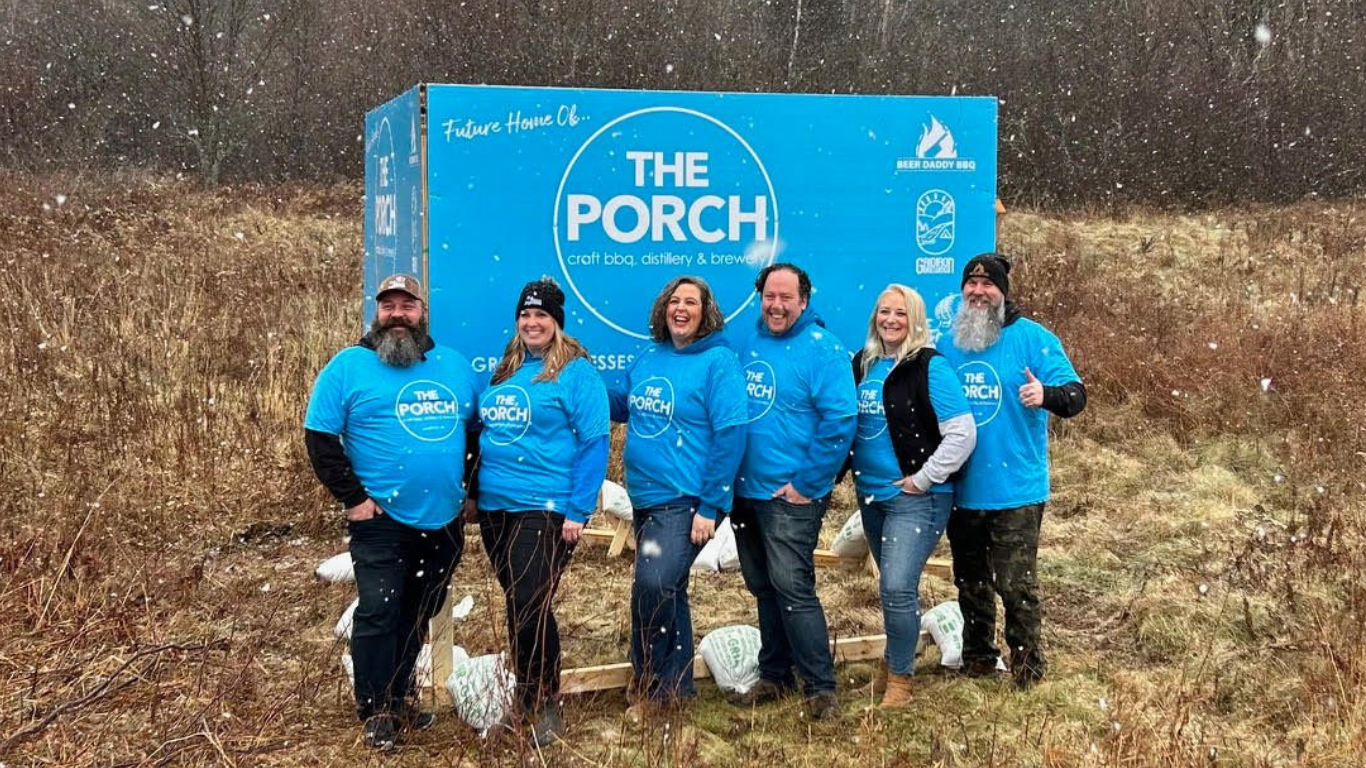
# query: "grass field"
1204 563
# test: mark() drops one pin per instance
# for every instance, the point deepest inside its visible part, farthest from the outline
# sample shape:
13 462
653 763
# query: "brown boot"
898 695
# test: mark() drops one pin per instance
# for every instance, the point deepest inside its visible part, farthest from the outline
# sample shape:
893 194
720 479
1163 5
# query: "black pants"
996 552
528 556
401 575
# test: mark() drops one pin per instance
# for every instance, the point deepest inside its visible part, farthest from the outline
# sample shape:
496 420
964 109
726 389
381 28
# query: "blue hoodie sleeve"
585 477
728 409
588 415
723 464
835 400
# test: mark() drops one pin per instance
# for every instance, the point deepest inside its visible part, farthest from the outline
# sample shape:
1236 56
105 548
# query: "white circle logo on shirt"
652 407
761 384
982 387
872 419
428 410
506 413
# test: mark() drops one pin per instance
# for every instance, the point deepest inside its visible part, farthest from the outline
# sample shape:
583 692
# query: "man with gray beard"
1014 374
386 432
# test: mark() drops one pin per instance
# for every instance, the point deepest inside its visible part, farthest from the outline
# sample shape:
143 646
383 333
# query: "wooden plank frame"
607 677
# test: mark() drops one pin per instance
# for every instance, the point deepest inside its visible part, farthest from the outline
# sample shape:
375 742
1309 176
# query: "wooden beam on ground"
937 566
612 676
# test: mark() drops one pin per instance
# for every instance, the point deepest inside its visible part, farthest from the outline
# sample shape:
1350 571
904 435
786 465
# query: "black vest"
911 421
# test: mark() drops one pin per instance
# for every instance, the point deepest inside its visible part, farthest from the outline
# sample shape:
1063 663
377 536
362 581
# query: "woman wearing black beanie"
543 457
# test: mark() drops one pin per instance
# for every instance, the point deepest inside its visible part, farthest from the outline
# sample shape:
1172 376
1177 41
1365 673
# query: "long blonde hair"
562 350
917 328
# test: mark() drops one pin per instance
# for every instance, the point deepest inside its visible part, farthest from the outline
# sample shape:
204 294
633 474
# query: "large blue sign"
614 193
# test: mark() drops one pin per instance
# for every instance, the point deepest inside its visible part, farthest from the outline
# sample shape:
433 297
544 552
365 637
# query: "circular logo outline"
525 428
668 422
559 195
398 399
773 377
921 204
999 383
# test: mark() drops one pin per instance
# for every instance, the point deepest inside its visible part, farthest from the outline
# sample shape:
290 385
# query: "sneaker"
381 732
549 726
763 692
823 706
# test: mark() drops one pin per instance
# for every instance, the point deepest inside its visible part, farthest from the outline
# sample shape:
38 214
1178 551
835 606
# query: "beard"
399 349
976 329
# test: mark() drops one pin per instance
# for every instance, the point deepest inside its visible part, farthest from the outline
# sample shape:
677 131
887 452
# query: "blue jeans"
401 575
902 532
776 541
661 621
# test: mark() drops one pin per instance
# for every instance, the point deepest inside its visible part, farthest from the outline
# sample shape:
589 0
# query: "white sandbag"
720 553
461 610
482 689
343 628
337 568
616 502
944 622
732 655
851 542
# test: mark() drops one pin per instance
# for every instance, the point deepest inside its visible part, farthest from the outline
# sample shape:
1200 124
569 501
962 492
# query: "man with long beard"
1014 373
386 433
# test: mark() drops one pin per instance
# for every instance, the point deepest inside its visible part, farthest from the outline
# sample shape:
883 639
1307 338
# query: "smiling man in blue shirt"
1014 374
802 415
386 433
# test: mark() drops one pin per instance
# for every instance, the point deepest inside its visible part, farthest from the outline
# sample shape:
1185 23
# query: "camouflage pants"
994 553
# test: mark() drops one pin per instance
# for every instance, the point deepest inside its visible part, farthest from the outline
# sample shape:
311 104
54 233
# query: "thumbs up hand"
1031 392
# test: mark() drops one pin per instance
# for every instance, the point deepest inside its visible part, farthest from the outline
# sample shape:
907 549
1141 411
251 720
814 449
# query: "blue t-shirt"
532 431
875 464
802 411
677 401
402 428
1009 466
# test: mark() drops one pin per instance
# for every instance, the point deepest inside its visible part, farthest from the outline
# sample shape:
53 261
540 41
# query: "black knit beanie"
544 294
992 266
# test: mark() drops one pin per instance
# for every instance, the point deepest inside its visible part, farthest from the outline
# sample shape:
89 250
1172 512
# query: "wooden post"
624 535
442 635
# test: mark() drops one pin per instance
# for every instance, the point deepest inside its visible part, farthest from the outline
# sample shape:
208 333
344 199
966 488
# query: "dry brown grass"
159 524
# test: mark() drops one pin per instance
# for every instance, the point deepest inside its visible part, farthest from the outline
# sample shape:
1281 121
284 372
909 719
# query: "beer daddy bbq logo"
506 412
936 150
656 193
428 410
982 387
652 407
872 418
762 387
